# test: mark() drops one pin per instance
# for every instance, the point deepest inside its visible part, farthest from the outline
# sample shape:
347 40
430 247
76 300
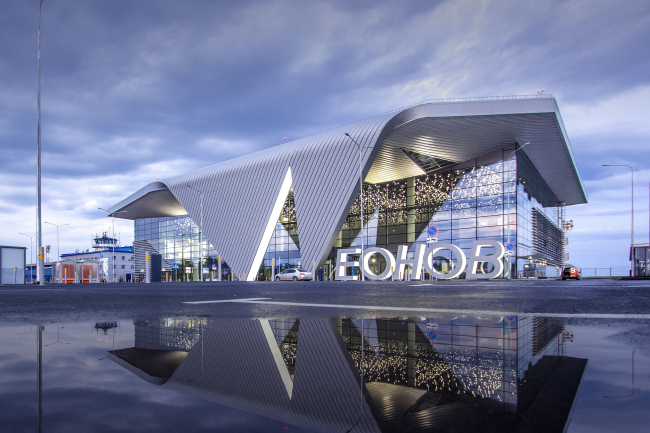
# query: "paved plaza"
611 299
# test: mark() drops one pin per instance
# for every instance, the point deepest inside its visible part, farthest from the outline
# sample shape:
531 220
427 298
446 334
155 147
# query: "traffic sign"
101 255
431 326
509 253
432 240
175 266
432 335
510 247
510 318
432 231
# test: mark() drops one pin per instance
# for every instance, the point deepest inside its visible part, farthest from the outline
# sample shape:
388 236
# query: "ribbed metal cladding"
239 194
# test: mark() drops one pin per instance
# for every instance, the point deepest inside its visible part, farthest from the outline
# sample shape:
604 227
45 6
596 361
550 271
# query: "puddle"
446 374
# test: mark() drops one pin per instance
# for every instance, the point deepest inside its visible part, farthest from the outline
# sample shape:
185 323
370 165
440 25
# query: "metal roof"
241 195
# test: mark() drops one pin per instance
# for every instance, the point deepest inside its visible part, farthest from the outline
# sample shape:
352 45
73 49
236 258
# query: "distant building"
12 265
115 260
640 254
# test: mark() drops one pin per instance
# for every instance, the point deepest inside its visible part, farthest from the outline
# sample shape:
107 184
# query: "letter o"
390 263
437 246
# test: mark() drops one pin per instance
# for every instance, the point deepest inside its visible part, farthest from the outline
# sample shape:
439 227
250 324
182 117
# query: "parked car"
570 271
293 274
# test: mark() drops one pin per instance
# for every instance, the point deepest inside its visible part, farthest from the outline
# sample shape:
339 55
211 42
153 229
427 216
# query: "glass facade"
284 247
492 198
176 239
500 197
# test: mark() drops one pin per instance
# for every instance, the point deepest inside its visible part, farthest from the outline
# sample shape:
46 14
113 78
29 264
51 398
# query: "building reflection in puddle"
369 375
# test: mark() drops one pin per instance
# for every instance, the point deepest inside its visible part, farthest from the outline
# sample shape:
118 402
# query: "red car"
570 272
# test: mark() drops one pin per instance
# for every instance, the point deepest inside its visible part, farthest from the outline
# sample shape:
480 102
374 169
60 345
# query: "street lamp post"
509 230
363 274
58 253
113 243
632 214
40 268
31 238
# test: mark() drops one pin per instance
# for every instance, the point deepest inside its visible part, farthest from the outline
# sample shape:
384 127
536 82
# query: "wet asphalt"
56 303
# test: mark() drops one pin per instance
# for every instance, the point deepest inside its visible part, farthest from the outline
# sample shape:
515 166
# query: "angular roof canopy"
241 195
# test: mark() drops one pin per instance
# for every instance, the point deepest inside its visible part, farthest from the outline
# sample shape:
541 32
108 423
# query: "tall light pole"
508 159
363 274
57 236
31 239
113 217
40 269
632 215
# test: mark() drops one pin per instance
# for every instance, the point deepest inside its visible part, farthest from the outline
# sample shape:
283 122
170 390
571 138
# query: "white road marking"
227 300
265 301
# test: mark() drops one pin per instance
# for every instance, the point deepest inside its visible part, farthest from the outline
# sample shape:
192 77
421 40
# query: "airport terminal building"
454 171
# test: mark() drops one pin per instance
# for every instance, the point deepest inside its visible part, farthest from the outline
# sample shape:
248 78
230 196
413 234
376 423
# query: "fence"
596 272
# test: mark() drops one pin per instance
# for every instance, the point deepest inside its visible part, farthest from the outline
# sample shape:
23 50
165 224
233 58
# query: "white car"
293 274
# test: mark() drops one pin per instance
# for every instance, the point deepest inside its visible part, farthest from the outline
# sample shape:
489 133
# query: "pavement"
58 303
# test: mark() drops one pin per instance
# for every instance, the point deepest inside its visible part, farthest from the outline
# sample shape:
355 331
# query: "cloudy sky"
134 90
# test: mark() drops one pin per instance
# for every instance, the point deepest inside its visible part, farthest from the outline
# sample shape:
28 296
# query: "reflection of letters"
477 259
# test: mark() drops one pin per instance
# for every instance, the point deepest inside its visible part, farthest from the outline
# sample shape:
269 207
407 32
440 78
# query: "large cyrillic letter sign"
390 263
416 262
430 253
476 259
342 261
423 257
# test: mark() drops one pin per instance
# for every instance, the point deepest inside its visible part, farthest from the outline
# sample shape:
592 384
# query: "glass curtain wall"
485 198
176 239
284 247
464 204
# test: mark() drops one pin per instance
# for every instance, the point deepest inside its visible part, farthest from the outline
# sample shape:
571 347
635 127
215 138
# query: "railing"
596 272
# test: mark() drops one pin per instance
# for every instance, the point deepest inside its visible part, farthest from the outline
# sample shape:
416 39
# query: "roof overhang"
152 201
464 131
457 131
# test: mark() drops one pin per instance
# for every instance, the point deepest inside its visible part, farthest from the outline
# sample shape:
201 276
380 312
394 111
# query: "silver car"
293 274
